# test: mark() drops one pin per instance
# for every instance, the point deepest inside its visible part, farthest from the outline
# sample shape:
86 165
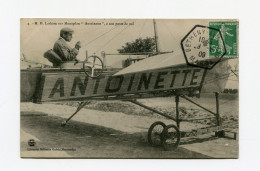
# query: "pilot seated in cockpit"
61 50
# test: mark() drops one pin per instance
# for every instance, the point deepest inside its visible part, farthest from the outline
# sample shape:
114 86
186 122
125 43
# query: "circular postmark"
198 47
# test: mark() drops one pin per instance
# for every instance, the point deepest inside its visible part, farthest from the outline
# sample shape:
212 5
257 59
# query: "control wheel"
93 66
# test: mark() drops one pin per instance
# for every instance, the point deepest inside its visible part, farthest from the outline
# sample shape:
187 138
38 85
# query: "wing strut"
81 105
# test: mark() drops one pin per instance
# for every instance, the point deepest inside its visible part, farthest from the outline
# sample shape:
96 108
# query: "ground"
116 129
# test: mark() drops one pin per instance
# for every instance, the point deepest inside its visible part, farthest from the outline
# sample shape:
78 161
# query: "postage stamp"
229 30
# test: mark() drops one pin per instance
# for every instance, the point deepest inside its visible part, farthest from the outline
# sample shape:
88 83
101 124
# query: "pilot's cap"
66 30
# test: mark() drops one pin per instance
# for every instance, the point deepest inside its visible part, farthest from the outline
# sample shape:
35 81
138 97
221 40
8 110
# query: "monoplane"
146 75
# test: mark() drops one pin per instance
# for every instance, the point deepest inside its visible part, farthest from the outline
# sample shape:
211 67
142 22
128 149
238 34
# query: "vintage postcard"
129 88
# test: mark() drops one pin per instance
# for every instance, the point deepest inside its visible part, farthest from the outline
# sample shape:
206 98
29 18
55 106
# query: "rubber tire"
151 130
164 137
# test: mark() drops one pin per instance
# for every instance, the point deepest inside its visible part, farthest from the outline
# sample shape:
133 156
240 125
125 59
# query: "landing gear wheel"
171 137
155 133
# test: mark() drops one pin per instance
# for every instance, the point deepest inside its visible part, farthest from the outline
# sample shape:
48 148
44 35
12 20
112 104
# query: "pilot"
61 48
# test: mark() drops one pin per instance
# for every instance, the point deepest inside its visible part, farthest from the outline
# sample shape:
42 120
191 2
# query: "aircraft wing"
215 79
153 63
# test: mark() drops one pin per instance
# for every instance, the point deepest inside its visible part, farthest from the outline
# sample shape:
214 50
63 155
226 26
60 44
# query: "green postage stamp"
229 30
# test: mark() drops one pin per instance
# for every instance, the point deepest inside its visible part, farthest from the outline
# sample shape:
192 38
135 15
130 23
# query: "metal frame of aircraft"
85 84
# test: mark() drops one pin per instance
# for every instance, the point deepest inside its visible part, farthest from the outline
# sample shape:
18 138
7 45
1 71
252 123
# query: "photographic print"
129 88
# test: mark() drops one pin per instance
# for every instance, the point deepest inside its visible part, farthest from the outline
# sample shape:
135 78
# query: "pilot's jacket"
65 52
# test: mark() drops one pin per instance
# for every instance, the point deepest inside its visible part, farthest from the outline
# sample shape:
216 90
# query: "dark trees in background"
139 45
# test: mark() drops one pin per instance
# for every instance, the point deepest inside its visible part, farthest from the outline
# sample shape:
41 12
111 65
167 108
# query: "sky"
37 38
